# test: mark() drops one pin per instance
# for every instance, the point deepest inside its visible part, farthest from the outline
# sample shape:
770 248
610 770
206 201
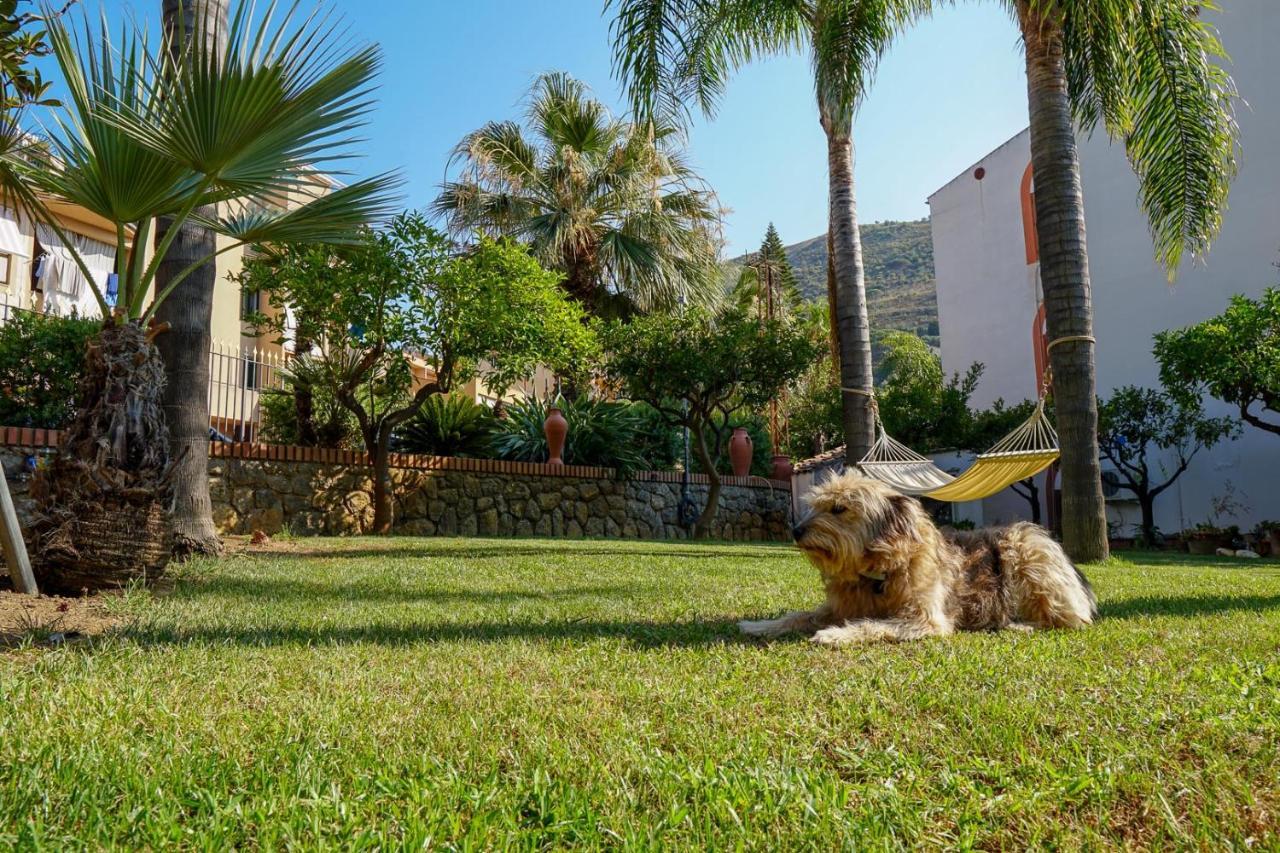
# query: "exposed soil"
42 618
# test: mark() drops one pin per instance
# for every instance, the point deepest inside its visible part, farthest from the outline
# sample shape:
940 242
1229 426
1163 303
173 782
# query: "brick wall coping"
28 437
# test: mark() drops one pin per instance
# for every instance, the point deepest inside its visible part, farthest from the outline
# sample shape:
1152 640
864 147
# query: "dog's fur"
890 574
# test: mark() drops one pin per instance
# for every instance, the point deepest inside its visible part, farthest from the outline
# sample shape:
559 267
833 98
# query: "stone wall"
261 488
314 498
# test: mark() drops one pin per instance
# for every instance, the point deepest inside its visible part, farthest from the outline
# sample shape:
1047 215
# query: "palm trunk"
185 350
853 330
1064 275
833 332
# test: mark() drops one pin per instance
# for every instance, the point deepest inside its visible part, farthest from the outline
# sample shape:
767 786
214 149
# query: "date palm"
673 53
1148 71
613 205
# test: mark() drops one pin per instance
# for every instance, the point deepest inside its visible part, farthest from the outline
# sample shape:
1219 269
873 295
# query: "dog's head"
853 522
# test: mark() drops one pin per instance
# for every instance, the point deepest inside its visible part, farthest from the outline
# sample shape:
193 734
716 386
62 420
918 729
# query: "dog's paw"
838 635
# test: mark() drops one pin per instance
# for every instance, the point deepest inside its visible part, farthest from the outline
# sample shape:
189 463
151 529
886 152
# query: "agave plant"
449 425
161 129
601 433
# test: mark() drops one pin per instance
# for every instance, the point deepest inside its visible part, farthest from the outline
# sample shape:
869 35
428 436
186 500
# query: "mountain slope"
901 293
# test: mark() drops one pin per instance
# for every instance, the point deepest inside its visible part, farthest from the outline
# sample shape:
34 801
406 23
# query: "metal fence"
239 376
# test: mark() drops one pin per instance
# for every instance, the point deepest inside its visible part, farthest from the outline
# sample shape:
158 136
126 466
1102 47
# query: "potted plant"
1267 538
1206 538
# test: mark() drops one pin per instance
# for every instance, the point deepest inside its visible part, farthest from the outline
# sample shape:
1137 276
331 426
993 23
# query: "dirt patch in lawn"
51 619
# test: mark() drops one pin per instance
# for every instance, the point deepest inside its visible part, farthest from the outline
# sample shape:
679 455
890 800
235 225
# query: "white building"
988 280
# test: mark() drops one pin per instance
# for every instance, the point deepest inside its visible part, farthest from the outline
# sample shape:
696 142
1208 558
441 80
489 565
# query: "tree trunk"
702 529
1064 275
1147 501
833 332
382 482
185 349
853 330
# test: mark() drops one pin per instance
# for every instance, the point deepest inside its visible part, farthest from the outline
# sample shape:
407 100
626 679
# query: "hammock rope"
1025 452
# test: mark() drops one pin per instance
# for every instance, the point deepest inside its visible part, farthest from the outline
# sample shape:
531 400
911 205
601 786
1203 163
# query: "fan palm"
614 206
1148 71
672 54
213 132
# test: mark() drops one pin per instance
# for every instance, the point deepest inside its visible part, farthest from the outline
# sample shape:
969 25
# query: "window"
6 265
250 303
251 374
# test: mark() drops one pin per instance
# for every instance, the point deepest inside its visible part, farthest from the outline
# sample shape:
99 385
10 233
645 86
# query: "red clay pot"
740 452
555 428
782 469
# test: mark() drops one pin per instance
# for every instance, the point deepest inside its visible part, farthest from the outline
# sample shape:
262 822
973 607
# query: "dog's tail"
1088 591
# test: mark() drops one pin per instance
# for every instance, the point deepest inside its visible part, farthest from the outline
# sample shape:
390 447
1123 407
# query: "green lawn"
548 694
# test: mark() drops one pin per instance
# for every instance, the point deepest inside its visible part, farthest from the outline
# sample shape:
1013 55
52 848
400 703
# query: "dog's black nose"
798 531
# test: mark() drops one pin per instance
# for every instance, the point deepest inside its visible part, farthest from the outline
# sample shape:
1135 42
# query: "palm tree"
1147 70
766 284
614 206
671 54
189 313
154 132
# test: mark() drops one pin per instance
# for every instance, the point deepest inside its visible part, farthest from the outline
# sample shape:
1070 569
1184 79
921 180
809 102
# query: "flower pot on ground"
741 450
556 429
1205 540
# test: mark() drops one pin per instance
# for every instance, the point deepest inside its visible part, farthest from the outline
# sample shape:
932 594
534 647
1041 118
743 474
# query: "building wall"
984 294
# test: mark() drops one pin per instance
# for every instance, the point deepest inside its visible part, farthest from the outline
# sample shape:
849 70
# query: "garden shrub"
41 360
601 433
449 425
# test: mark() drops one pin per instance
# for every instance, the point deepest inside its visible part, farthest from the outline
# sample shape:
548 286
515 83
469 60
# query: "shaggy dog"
890 574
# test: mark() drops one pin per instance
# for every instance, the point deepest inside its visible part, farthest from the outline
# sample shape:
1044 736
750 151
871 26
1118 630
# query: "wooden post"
15 550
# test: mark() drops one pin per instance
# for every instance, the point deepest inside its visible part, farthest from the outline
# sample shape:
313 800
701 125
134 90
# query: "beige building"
37 273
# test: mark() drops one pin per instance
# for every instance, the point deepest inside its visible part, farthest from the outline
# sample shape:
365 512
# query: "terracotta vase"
740 451
555 428
782 469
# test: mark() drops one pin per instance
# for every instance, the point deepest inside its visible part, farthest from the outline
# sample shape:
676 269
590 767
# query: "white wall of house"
986 289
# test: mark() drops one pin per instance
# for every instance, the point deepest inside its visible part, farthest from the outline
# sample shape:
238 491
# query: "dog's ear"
897 525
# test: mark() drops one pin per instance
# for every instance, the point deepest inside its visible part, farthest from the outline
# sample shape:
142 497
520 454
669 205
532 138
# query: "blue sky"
948 93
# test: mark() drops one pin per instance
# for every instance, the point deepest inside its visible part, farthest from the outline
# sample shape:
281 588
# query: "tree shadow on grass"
302 591
502 552
639 634
1190 605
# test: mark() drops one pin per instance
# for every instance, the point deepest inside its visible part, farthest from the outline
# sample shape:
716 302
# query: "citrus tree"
403 296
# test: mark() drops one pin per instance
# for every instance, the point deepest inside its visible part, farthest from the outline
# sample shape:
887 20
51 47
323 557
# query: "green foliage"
148 136
1135 423
700 369
306 412
766 284
449 425
601 432
41 359
1235 357
917 405
813 412
614 206
656 439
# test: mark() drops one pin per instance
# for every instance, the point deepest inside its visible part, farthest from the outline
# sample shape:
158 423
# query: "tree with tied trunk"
670 55
189 314
1135 422
1235 357
698 369
165 131
403 295
1148 71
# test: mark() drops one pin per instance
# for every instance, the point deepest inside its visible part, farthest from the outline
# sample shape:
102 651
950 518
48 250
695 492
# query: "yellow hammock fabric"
1023 453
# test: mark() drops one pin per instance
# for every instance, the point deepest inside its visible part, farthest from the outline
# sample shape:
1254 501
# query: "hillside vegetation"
901 291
